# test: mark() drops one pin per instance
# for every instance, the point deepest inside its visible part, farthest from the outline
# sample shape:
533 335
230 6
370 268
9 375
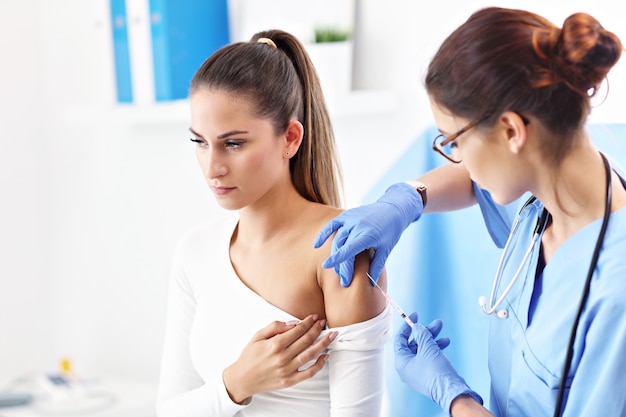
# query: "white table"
105 398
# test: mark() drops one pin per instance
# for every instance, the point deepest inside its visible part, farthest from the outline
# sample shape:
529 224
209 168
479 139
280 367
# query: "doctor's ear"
515 130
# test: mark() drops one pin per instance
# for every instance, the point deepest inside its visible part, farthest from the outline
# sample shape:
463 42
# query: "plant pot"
333 63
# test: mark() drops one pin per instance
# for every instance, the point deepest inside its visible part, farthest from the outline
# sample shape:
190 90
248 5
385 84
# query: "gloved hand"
434 328
377 225
422 365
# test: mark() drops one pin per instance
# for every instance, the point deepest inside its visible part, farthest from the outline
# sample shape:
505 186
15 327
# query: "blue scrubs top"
527 350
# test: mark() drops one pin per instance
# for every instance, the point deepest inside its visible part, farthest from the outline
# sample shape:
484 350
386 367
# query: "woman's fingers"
303 337
275 328
300 345
305 350
315 350
307 373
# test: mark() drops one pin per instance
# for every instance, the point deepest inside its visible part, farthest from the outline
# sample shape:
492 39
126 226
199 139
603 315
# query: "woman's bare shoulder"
324 213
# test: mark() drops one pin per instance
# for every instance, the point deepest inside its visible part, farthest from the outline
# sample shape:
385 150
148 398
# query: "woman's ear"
514 126
293 137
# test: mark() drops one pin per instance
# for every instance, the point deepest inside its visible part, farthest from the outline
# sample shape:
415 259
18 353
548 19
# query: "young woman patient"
255 325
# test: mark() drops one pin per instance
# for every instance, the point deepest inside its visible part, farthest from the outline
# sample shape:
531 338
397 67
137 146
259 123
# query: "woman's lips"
222 190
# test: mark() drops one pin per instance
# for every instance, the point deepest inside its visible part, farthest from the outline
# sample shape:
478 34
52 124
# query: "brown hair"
282 84
504 59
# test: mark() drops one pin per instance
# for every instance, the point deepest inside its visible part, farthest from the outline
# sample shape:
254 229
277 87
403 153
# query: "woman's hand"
272 358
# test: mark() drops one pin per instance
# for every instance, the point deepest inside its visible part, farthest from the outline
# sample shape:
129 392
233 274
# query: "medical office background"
95 194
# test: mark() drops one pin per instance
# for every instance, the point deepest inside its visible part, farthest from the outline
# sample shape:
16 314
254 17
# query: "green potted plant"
331 34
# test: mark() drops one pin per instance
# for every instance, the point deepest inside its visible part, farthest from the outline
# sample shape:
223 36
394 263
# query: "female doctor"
510 93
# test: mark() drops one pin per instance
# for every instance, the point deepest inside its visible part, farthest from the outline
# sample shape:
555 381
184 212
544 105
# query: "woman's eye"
233 144
199 142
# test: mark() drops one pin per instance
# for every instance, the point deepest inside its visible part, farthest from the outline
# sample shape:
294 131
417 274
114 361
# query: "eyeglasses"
446 146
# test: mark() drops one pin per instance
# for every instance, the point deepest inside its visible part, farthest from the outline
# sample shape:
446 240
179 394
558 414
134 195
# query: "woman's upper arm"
359 302
356 357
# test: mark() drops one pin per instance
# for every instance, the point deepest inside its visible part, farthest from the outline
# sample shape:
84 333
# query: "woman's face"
484 153
241 157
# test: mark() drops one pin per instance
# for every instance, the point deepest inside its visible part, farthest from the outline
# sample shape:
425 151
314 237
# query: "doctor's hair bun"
584 53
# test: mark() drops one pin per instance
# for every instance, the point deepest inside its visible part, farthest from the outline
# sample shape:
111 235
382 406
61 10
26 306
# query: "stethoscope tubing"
585 294
541 224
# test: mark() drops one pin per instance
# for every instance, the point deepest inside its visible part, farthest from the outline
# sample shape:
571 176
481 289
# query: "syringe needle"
392 302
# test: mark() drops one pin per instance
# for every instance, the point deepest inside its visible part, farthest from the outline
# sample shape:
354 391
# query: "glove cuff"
406 199
455 389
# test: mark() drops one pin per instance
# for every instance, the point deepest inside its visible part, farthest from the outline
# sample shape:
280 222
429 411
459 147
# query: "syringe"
393 303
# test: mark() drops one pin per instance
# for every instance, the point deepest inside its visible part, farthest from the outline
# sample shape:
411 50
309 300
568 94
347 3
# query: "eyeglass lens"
449 149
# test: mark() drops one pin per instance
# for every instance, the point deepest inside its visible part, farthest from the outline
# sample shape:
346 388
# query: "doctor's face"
483 153
240 155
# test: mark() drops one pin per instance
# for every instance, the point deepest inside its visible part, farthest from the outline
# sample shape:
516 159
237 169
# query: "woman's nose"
213 164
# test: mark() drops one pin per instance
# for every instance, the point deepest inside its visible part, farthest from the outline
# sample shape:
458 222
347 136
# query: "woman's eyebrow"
231 133
223 135
195 133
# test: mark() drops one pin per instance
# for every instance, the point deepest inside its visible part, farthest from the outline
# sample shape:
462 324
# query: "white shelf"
354 104
173 112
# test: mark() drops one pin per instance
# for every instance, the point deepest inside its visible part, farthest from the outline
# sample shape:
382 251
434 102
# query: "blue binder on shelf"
121 55
184 35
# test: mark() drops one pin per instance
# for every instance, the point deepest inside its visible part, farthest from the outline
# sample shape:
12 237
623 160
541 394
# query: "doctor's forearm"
466 406
449 187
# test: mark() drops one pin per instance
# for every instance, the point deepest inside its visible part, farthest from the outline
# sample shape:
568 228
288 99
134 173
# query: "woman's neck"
271 216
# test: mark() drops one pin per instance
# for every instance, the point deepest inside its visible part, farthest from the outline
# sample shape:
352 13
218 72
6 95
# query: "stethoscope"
542 222
539 228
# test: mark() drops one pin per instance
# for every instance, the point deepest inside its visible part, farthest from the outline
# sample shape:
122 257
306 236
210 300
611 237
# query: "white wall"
93 199
24 302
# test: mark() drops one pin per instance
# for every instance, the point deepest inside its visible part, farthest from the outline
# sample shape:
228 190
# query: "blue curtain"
440 267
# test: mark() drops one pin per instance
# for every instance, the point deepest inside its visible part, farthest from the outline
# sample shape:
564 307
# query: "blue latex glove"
378 225
422 365
434 328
